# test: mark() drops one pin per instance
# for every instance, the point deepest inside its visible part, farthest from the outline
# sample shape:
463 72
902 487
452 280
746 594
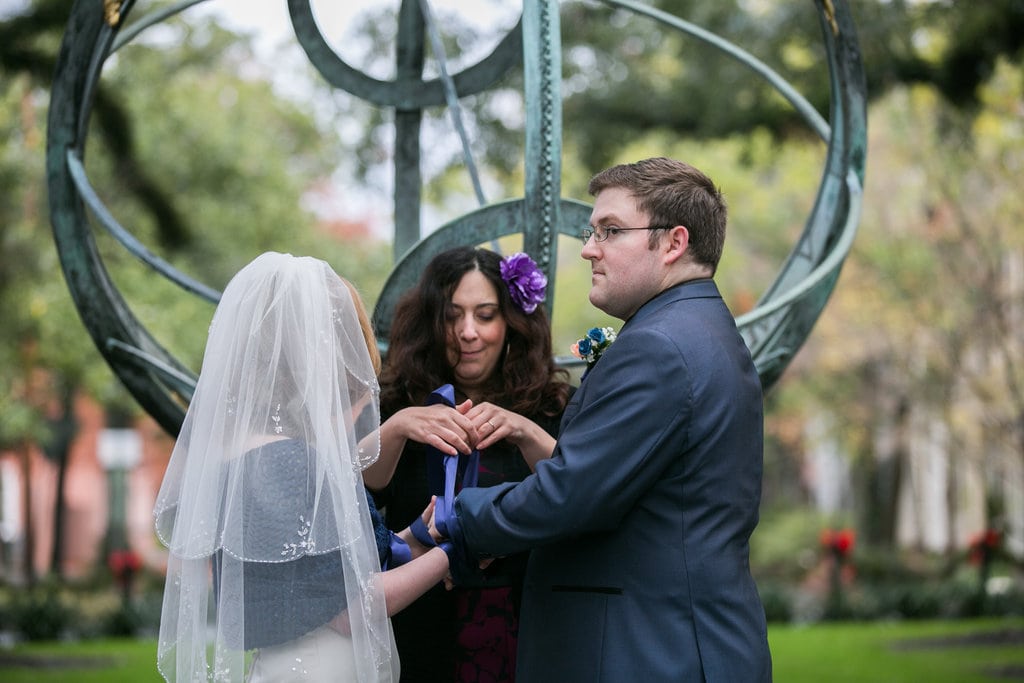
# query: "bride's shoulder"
258 441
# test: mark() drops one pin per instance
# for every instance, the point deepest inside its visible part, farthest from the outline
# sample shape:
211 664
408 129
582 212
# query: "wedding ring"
492 425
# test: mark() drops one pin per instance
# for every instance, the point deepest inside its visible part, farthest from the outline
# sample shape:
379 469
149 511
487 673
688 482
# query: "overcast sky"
269 23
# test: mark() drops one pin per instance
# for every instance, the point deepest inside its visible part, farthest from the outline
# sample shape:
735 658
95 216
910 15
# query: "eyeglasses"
601 233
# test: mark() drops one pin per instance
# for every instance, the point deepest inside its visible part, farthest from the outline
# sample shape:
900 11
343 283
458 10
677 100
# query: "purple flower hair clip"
526 284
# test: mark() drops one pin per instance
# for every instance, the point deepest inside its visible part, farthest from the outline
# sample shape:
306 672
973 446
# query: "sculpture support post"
542 60
408 177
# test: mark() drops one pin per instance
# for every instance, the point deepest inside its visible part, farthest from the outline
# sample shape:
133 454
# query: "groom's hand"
449 582
464 567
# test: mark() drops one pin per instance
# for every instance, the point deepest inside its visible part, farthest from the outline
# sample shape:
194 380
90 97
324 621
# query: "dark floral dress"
468 634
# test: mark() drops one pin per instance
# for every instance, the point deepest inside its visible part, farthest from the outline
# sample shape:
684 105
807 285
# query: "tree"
201 160
922 332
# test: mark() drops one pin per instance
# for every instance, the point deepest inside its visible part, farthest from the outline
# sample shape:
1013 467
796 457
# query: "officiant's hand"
494 423
447 430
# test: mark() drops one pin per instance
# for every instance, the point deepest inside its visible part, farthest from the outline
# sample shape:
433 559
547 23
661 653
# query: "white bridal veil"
262 506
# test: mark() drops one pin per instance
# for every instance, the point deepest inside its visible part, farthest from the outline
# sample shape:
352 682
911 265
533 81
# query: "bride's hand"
416 547
428 520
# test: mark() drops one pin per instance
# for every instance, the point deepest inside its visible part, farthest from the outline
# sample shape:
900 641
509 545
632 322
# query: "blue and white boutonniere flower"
592 346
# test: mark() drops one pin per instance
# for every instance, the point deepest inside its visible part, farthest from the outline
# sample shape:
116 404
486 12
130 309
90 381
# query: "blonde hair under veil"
265 477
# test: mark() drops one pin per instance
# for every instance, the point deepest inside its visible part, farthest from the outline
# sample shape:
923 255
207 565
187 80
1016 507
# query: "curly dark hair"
527 382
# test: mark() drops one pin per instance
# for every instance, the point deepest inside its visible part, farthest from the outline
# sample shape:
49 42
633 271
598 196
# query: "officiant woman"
476 321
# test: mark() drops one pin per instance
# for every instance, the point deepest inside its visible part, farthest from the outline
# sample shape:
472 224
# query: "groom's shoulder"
674 316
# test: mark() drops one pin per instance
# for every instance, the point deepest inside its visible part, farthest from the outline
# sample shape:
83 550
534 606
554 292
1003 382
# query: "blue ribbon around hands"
447 473
400 553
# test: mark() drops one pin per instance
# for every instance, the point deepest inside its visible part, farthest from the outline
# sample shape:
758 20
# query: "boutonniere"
593 346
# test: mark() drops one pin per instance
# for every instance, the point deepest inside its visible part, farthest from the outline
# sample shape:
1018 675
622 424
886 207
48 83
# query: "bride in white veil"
274 571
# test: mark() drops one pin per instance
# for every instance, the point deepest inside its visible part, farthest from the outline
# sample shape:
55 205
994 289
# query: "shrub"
56 610
777 601
39 614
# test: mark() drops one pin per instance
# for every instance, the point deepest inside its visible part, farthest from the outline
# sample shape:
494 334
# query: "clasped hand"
462 430
418 548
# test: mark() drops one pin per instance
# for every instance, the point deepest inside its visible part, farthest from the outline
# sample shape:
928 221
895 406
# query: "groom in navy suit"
640 521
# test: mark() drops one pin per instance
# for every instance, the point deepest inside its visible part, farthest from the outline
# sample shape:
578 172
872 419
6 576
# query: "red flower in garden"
124 563
983 545
839 542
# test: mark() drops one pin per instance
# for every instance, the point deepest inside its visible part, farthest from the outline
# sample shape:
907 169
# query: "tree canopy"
196 150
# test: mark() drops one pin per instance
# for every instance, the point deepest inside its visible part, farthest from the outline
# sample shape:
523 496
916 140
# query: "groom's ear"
676 244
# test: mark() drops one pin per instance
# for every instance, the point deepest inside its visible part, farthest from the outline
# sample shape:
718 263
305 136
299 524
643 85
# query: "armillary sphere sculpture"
775 329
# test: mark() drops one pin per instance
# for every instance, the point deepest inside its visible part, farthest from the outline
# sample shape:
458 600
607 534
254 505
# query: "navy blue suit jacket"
640 521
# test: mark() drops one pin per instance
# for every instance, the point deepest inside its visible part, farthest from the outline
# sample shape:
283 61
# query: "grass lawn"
983 651
87 661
